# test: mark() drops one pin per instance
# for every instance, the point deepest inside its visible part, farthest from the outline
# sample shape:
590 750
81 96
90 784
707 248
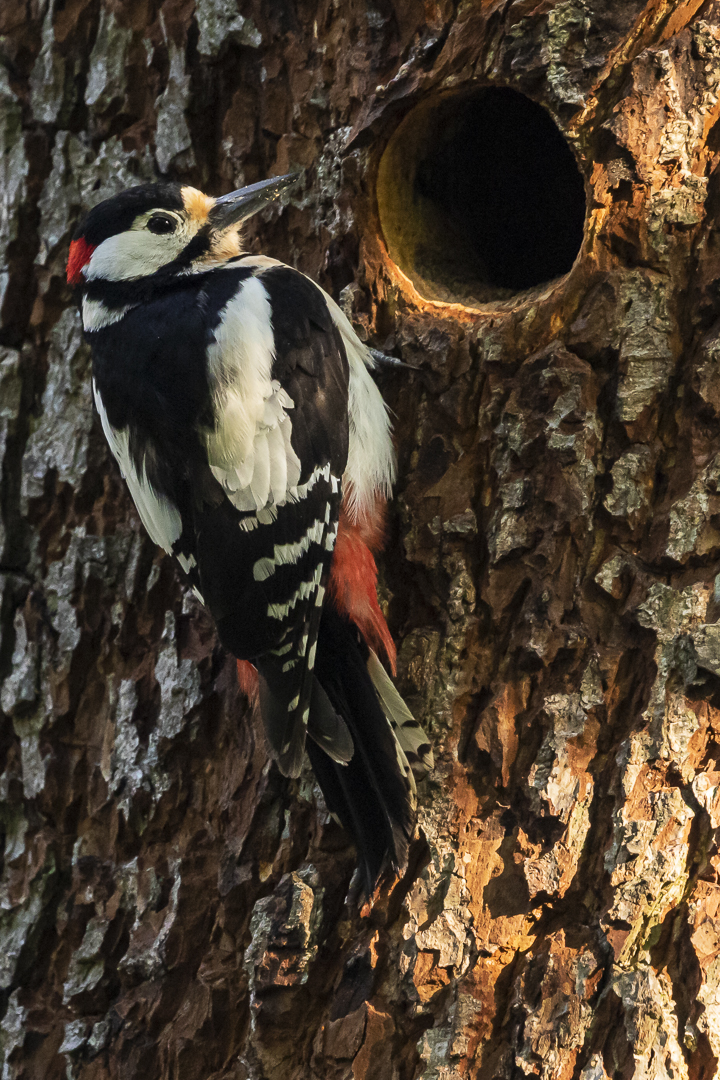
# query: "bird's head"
155 228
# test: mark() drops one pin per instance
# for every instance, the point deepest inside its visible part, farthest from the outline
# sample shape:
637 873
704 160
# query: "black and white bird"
239 405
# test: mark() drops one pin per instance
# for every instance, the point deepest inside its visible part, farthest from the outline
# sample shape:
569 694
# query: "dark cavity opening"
480 197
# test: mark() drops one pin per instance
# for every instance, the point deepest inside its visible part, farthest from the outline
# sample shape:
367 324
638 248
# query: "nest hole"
480 197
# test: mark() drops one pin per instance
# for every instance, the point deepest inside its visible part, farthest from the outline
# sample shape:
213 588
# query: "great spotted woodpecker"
239 405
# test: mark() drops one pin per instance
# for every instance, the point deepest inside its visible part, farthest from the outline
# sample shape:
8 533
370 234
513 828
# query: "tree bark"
171 908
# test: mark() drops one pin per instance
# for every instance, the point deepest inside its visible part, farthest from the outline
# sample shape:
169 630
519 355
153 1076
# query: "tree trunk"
170 906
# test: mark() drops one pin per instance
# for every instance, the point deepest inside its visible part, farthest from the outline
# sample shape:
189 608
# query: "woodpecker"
240 407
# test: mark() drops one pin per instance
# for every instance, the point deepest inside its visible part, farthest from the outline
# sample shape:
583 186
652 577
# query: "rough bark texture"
170 906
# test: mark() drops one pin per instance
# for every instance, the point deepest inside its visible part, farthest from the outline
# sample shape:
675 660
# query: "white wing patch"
158 514
250 452
370 469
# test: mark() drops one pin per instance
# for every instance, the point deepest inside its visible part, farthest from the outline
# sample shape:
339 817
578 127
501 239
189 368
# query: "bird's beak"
242 204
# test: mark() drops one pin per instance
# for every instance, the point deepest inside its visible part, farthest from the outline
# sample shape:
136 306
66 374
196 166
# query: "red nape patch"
247 678
80 254
353 579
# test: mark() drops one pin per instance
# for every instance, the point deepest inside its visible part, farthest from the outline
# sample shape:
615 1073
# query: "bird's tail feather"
373 795
287 720
411 738
364 745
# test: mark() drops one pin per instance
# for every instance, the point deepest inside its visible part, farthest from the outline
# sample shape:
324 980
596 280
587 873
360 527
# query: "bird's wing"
159 514
226 404
278 448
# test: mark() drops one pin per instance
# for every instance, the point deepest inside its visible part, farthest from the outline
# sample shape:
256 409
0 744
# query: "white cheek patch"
134 253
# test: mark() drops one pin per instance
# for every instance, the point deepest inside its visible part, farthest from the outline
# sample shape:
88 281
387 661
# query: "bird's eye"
161 223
